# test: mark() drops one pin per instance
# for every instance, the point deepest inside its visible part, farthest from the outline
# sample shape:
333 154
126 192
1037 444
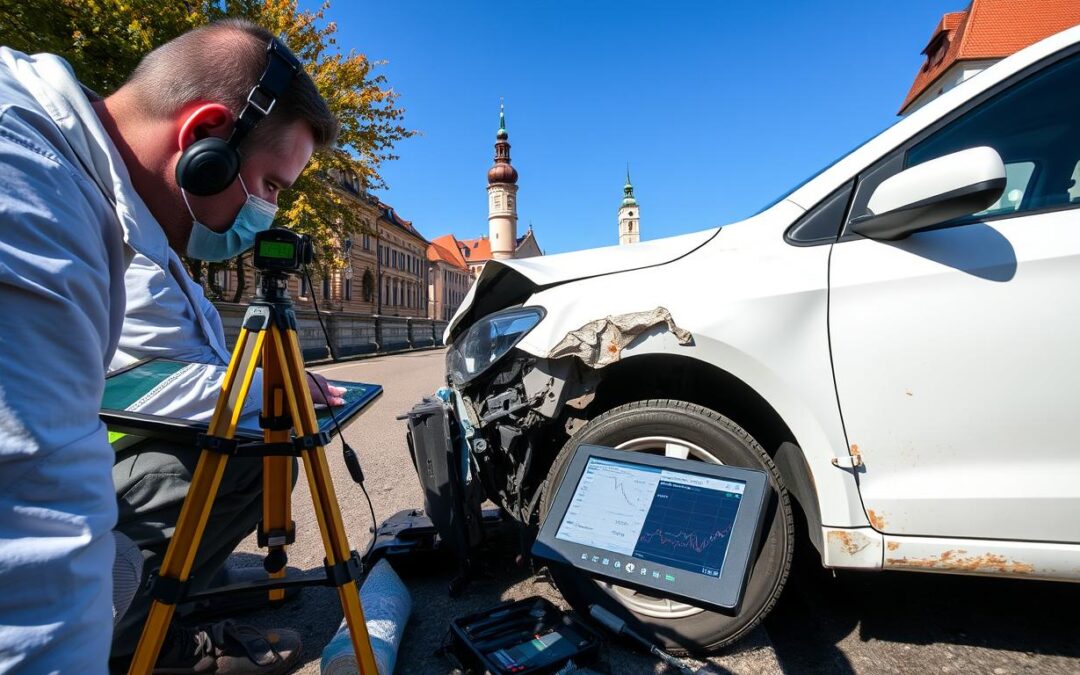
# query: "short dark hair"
221 62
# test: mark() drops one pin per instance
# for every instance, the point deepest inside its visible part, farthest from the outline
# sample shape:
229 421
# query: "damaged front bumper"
518 409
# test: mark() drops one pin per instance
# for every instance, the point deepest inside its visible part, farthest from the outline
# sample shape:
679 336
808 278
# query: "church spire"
629 214
502 171
502 196
628 191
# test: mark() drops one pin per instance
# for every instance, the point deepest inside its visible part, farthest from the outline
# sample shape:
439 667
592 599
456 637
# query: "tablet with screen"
669 527
165 398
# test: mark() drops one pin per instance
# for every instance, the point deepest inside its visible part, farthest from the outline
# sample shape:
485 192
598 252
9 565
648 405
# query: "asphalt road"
847 623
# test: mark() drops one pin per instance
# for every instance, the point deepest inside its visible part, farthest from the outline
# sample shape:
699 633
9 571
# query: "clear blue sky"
718 106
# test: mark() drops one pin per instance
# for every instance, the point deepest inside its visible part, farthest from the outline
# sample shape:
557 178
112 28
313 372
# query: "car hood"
504 283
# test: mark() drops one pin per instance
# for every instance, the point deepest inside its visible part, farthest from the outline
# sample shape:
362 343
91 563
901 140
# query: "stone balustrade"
350 333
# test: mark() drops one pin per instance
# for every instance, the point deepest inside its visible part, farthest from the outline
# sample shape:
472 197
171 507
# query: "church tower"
502 197
629 215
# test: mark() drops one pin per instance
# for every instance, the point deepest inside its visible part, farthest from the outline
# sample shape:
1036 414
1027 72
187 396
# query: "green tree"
105 39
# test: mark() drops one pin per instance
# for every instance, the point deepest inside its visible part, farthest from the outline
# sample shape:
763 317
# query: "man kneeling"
190 89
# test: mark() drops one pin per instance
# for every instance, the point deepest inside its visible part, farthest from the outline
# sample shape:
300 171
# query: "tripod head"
279 252
282 250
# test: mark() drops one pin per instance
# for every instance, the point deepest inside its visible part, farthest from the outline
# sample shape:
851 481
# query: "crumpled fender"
600 343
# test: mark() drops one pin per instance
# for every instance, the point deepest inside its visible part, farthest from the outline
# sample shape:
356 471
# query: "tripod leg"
176 566
322 492
276 530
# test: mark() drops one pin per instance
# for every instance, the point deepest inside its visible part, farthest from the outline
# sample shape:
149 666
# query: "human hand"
324 393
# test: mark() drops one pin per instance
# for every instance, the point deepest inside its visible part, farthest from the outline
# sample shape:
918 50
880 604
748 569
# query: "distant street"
853 623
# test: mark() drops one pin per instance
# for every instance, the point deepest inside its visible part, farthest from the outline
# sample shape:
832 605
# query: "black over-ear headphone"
209 165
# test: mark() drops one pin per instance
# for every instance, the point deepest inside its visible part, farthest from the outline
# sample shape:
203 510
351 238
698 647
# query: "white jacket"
169 316
66 208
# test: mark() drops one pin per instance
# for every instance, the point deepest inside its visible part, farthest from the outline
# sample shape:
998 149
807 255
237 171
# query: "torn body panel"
601 342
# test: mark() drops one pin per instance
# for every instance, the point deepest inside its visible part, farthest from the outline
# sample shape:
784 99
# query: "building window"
326 288
348 289
304 286
221 279
367 285
366 242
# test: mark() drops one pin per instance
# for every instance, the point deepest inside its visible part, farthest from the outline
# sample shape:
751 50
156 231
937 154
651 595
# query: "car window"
822 223
1074 189
1035 126
1017 180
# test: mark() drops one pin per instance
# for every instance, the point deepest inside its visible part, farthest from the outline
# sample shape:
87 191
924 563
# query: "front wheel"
684 431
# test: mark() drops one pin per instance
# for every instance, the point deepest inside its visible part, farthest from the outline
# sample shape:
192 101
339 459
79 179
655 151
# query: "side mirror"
933 192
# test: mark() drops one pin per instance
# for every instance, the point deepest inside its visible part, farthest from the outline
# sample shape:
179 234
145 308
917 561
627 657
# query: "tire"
707 436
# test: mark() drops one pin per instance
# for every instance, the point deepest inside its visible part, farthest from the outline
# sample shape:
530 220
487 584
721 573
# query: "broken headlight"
488 340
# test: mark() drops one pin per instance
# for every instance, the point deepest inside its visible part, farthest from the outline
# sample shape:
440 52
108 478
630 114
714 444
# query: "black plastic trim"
350 569
803 231
263 538
166 589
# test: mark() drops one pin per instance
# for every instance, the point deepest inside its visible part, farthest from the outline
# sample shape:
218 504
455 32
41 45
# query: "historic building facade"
385 269
449 277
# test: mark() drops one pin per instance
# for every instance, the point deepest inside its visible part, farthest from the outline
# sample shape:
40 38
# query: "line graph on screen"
688 527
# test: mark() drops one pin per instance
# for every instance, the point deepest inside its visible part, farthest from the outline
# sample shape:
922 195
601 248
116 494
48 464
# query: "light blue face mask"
255 216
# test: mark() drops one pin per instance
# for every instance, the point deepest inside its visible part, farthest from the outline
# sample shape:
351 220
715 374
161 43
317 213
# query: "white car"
896 341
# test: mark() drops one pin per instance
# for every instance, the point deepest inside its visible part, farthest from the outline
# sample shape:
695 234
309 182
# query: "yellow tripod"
269 333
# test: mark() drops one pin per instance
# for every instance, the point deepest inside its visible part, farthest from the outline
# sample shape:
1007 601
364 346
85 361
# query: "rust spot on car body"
876 520
893 545
846 541
958 561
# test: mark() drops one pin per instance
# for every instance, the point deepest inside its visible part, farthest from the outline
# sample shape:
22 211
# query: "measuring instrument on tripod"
290 429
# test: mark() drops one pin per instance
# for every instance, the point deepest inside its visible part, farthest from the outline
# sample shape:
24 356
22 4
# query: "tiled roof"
445 249
990 29
475 250
392 216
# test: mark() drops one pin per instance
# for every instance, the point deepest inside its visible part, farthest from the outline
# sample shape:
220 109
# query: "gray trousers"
152 479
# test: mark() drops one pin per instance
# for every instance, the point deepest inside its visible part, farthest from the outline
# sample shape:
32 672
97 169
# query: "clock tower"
502 197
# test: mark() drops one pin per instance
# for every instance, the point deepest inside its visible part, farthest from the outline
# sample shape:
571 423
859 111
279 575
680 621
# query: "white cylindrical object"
387 605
